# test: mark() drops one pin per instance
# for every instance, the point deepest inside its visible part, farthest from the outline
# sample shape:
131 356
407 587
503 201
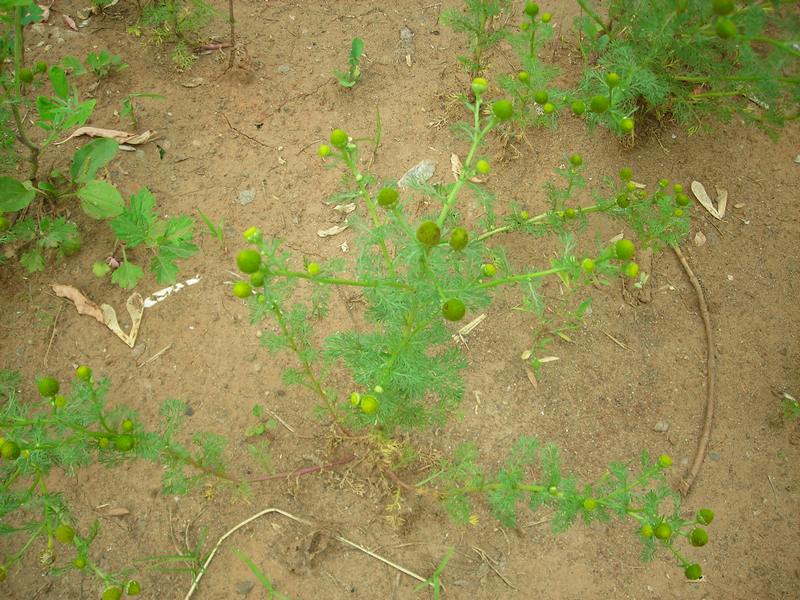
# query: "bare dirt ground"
257 128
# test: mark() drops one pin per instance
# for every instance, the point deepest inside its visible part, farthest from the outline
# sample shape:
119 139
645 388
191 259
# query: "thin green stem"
592 14
718 94
477 137
19 59
371 283
540 218
699 79
410 331
193 463
521 277
362 188
780 45
19 554
316 386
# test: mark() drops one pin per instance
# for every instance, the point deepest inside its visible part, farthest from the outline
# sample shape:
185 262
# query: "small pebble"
661 427
283 69
246 197
244 587
714 455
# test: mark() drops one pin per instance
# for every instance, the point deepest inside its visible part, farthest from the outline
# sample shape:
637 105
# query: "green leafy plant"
217 230
178 22
263 579
435 580
477 21
103 63
640 497
66 432
167 240
791 407
36 234
536 100
420 274
350 77
129 106
691 60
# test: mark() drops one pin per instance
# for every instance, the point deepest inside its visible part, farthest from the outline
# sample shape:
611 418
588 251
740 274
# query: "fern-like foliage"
672 64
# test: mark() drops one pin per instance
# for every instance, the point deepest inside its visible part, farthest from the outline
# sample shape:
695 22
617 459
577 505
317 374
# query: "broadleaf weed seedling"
350 77
36 234
417 275
178 22
129 106
104 63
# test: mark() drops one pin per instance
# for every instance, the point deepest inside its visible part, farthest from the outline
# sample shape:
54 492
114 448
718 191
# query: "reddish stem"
304 470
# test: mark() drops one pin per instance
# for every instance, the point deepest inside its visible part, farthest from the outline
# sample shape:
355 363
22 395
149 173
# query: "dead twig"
711 371
233 35
156 355
249 137
53 334
616 341
489 561
268 511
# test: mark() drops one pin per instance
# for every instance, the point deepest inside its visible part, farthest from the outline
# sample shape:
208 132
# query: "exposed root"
711 378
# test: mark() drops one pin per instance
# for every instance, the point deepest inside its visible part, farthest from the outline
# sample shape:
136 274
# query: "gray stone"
246 197
244 587
661 427
283 69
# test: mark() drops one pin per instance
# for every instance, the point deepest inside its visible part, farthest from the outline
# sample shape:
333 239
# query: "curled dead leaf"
104 313
335 230
718 212
117 512
69 22
123 137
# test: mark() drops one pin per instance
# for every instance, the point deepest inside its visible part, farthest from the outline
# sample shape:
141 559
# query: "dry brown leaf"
135 306
123 137
455 166
193 83
722 201
699 191
117 512
345 209
69 22
104 313
83 305
335 230
531 377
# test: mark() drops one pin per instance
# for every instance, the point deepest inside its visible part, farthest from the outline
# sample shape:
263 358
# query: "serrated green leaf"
127 275
135 223
178 229
100 199
33 261
164 268
14 195
59 80
47 110
92 157
55 232
73 64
